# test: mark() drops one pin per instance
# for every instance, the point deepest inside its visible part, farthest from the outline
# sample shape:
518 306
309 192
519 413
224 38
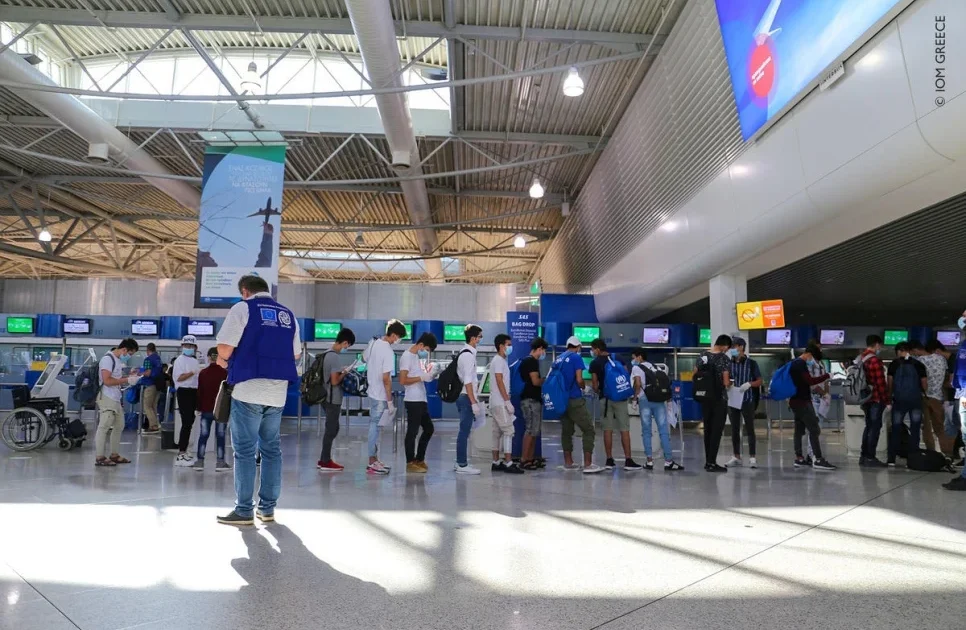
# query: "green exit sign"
704 337
327 330
454 332
20 325
892 337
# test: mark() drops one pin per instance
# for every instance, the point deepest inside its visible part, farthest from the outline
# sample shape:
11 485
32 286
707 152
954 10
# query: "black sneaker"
801 462
716 468
957 484
822 464
501 467
630 464
513 469
808 460
235 519
873 462
891 463
265 518
959 464
610 464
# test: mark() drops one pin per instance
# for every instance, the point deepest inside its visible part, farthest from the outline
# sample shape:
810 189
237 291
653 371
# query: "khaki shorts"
614 416
532 415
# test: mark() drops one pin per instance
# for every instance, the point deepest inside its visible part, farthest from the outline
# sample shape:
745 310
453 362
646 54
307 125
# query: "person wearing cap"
572 367
804 412
746 376
185 376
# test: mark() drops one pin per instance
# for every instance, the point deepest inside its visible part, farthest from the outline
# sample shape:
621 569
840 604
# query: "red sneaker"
330 466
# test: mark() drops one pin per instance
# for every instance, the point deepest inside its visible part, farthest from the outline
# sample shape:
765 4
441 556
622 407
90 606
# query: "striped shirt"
745 371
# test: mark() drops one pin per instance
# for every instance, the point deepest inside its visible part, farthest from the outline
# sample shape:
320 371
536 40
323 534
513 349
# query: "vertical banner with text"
522 327
240 222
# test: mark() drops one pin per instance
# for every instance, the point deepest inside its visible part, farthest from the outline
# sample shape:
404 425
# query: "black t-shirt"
799 373
720 363
530 391
597 367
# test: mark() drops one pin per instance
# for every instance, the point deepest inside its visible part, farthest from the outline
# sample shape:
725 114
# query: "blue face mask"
423 354
188 352
732 353
509 350
125 358
635 362
810 363
343 350
962 322
542 357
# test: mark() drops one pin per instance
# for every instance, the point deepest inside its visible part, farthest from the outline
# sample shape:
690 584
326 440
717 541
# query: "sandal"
117 459
530 465
103 461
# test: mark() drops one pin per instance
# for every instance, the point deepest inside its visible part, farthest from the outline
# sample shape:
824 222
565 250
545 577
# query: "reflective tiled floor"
138 546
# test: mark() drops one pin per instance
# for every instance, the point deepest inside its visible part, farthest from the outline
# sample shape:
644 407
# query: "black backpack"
903 441
315 386
706 385
657 386
928 461
450 386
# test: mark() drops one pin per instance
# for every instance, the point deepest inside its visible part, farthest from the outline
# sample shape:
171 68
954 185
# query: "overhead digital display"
892 337
656 335
704 336
776 48
201 328
454 332
587 334
147 327
832 337
949 338
763 314
327 331
75 326
778 337
20 325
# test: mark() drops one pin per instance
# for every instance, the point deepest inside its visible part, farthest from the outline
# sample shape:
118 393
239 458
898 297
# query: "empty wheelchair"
35 422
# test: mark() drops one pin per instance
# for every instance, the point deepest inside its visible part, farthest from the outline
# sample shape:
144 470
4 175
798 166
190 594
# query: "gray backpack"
855 389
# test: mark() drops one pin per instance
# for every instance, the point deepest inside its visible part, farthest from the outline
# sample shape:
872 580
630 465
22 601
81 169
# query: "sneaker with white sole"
199 465
593 469
376 468
386 466
466 469
222 466
753 463
183 460
734 462
571 467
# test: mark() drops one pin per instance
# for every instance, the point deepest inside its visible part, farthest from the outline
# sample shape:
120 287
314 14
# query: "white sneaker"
593 469
183 460
386 466
376 468
753 463
734 462
466 470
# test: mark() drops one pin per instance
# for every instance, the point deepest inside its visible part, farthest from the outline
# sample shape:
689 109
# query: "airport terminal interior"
459 314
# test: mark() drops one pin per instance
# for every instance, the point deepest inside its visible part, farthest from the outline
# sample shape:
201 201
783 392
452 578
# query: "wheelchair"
36 422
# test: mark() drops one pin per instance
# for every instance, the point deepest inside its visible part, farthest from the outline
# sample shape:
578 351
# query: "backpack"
706 386
903 441
355 384
906 385
657 385
315 387
782 387
856 390
450 385
516 380
368 353
87 382
617 386
554 392
928 461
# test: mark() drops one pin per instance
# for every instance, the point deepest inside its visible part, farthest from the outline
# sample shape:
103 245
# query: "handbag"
223 402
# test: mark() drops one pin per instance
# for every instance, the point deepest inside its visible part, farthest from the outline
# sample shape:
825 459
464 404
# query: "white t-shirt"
382 360
183 365
499 366
638 370
113 365
256 391
409 362
466 366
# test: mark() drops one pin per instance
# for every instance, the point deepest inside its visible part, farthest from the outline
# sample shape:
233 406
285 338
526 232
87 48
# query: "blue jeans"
659 412
466 425
207 419
256 429
376 409
915 428
873 427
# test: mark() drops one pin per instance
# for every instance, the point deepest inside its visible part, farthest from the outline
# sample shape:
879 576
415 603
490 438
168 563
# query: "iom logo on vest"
284 319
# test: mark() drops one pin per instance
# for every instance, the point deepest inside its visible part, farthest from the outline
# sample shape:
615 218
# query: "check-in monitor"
201 328
145 327
831 337
656 335
949 338
778 337
77 326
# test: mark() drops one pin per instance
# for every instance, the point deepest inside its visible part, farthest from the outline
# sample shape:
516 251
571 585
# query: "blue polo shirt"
153 362
570 365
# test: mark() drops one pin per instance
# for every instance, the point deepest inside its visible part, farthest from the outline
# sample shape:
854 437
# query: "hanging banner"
757 315
522 327
240 222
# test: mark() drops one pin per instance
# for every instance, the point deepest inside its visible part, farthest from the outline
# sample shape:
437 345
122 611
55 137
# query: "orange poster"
757 315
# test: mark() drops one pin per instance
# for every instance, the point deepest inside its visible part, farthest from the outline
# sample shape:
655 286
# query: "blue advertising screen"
775 48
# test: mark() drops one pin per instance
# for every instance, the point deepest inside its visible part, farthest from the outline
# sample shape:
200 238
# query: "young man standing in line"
745 374
153 377
469 406
572 367
933 426
957 363
656 410
715 411
875 377
501 408
907 382
615 416
333 372
209 382
531 401
379 367
414 375
110 416
186 370
801 405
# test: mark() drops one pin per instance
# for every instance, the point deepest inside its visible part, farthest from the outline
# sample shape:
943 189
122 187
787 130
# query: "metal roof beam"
333 26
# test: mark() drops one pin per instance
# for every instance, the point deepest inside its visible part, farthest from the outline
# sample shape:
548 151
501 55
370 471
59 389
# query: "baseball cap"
189 340
573 341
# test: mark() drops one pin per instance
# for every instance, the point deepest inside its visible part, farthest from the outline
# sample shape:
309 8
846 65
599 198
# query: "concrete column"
725 292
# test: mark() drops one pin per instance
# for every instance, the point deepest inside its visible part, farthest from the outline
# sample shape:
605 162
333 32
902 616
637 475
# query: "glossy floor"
138 546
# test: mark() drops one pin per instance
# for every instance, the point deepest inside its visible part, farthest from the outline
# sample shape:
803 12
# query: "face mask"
343 350
732 353
423 354
962 322
188 352
542 357
635 362
125 358
877 351
810 362
509 350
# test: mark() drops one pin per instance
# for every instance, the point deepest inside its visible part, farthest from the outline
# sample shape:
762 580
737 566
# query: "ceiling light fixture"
251 82
573 85
359 239
536 189
44 236
519 242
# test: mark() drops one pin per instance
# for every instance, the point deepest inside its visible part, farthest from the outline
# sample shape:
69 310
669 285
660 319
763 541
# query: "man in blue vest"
259 344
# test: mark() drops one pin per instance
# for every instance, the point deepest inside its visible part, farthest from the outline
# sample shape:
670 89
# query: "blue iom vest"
265 348
959 377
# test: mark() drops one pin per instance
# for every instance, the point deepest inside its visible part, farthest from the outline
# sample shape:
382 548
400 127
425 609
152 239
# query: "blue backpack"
617 382
782 386
555 394
516 380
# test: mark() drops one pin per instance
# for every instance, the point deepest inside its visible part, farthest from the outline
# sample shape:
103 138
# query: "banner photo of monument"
240 223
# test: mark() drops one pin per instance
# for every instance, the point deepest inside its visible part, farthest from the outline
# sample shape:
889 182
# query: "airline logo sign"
758 315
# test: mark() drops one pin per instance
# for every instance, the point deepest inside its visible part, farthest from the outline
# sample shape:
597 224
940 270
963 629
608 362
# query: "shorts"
532 416
615 416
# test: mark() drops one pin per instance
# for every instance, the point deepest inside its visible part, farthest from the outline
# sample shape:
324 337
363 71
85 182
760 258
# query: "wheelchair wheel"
24 429
65 444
